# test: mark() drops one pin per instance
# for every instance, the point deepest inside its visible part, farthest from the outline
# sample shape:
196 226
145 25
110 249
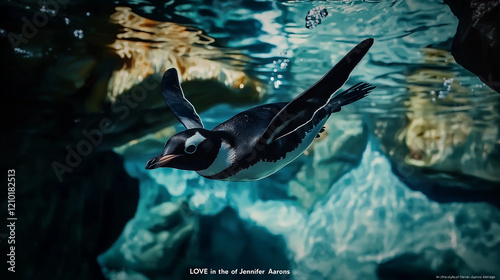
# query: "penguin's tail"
353 94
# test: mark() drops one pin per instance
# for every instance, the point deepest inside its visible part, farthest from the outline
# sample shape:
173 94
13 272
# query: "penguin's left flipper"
301 110
175 99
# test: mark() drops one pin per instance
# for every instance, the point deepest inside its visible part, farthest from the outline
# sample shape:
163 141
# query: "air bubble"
78 33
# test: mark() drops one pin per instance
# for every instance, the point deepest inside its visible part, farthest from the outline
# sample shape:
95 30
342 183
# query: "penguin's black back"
248 126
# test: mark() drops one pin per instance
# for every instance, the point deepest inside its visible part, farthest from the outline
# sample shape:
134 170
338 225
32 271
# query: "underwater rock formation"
152 243
227 241
367 223
369 216
168 239
438 138
148 47
449 131
477 40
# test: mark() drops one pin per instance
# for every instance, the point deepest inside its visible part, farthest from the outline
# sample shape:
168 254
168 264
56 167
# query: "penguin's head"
192 149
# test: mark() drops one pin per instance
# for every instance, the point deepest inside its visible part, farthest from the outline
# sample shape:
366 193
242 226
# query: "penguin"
260 141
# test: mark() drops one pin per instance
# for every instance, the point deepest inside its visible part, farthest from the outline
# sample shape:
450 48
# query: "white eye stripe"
194 140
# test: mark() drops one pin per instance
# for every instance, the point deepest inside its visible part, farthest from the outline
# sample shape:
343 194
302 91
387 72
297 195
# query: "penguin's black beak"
159 161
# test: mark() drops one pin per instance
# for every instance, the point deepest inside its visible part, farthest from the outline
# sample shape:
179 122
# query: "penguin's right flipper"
175 99
302 109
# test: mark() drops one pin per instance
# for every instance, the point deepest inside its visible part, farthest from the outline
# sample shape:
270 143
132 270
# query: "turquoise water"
402 185
398 187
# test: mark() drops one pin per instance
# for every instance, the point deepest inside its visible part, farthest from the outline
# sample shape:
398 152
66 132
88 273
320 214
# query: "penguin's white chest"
225 158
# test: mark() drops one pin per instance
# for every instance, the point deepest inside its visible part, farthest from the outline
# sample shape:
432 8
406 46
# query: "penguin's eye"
190 149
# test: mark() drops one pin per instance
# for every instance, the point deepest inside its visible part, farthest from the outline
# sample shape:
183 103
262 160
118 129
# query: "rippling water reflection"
435 123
